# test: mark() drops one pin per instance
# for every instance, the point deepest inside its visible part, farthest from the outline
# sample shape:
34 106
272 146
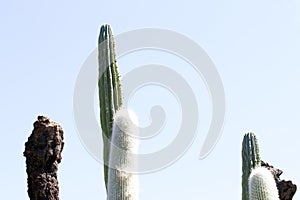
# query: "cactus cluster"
261 181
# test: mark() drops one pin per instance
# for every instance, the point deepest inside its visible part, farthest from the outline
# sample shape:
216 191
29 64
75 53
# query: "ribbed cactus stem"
251 160
110 94
262 185
122 183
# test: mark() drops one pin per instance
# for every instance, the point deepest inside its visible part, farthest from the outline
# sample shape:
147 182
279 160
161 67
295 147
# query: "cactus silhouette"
251 160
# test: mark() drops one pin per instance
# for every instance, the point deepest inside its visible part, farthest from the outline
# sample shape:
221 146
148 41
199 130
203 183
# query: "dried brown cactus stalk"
43 154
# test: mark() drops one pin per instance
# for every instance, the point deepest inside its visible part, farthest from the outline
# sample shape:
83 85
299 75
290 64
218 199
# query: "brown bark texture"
43 154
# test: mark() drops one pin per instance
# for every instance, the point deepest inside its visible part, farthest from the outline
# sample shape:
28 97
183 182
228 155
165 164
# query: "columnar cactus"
122 184
43 154
251 160
262 185
110 94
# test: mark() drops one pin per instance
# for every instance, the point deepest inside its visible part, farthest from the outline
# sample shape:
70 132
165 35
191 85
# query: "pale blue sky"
254 45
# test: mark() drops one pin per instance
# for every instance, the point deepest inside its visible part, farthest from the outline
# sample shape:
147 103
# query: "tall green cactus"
110 94
262 185
251 160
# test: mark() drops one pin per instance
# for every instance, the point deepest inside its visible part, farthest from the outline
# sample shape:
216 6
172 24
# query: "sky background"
254 45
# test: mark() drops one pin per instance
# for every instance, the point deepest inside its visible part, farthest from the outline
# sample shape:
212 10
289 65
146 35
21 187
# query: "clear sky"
255 46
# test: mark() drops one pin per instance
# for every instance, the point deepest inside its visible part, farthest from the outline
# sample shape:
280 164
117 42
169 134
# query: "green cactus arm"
122 183
262 185
110 94
250 159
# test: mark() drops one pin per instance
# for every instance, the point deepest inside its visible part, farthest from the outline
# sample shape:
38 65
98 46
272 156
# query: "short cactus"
122 184
251 160
110 94
43 152
262 185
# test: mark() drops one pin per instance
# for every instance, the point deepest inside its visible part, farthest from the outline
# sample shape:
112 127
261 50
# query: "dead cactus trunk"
43 154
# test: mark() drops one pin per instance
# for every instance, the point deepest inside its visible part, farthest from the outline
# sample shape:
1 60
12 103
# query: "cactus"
110 94
122 184
251 160
262 185
43 154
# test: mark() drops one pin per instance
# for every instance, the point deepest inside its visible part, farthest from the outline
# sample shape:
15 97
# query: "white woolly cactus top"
122 183
126 120
262 185
126 126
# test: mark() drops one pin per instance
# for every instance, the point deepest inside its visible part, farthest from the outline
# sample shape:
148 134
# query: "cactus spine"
251 160
110 94
262 185
122 184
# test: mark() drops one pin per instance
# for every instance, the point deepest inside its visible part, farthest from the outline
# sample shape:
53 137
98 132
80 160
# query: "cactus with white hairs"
262 185
118 130
122 183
